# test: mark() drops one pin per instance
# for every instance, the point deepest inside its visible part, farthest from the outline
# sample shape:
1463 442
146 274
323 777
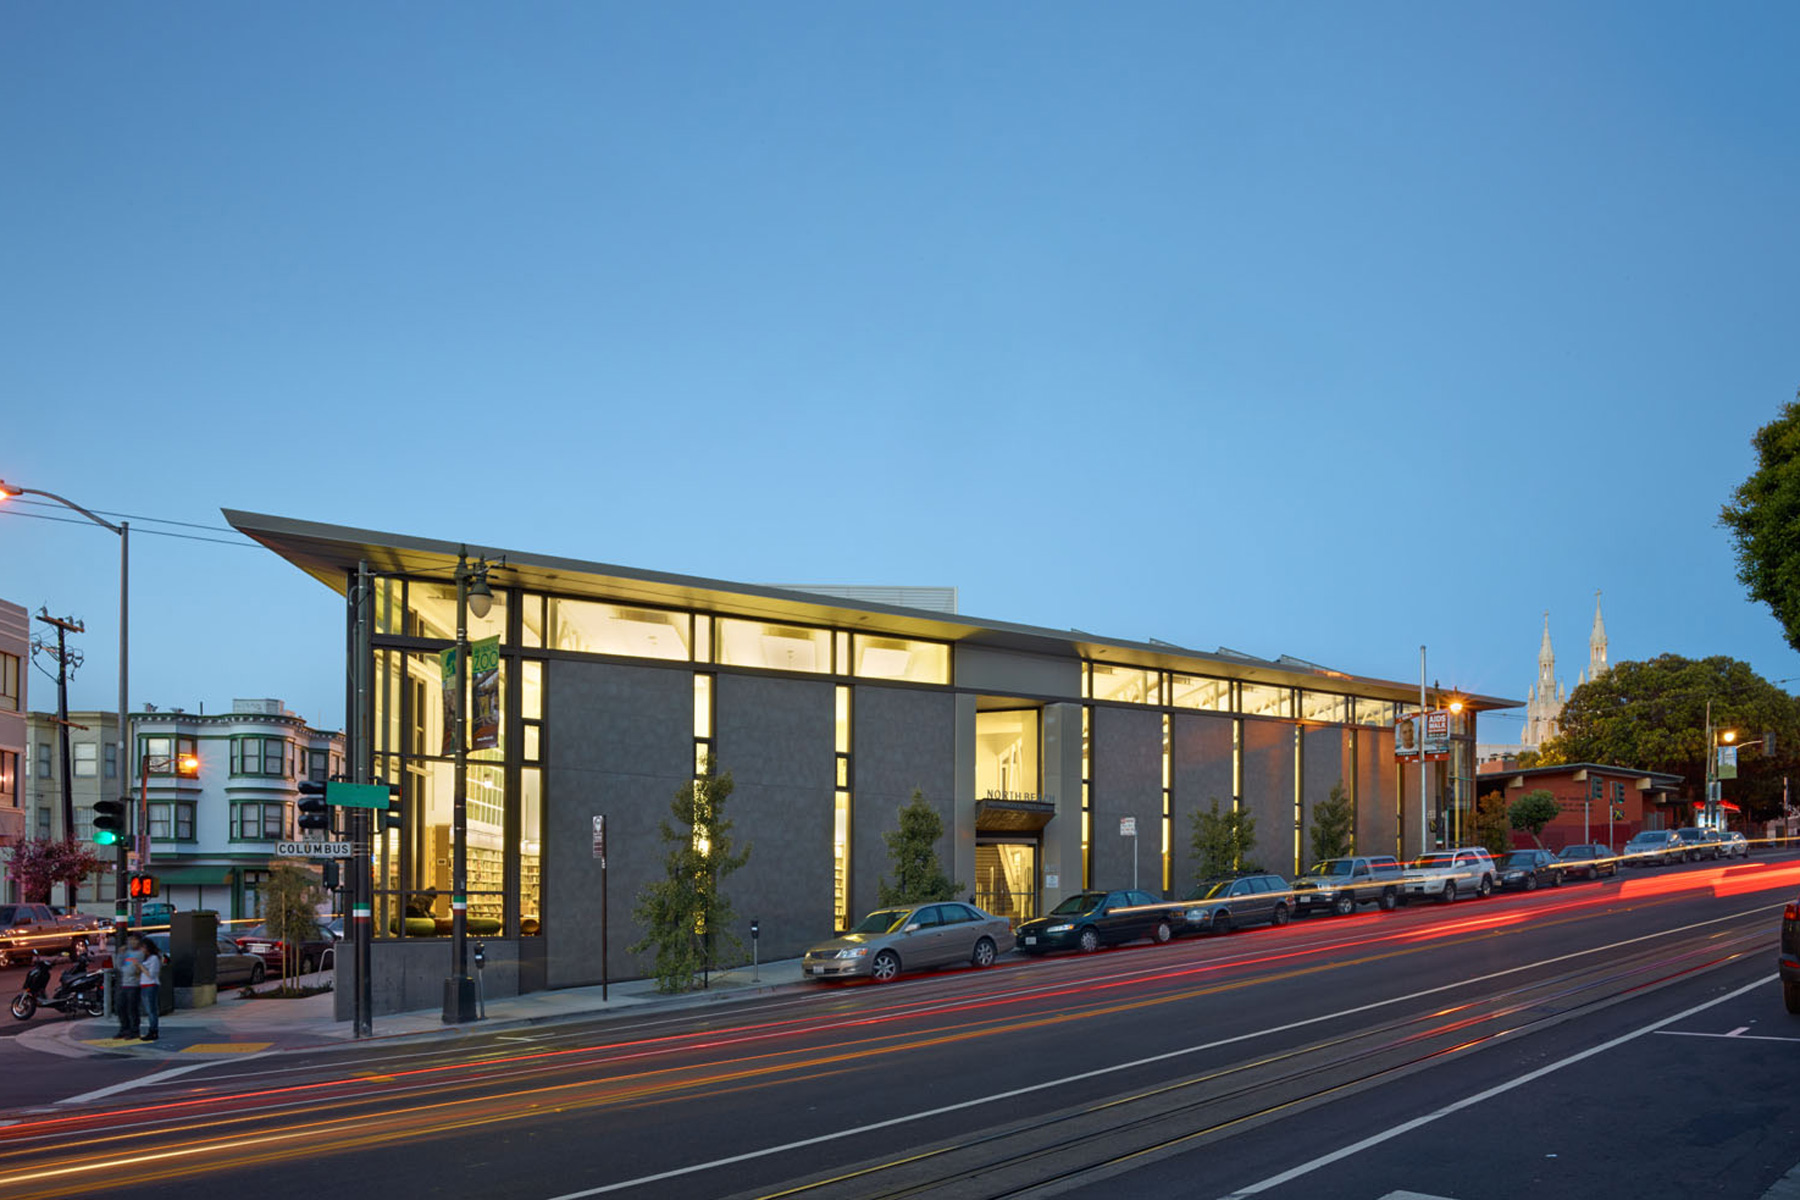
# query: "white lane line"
907 1118
1734 1036
1385 1135
157 1077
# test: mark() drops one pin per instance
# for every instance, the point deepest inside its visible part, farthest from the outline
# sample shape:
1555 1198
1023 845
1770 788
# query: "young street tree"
290 912
686 916
1651 716
1532 811
39 864
1493 827
1763 514
1333 823
918 873
1222 841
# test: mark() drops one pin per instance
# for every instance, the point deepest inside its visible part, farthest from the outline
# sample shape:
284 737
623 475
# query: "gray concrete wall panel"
1202 774
1375 814
1324 762
1127 781
619 741
901 739
1062 779
1269 791
1010 673
777 737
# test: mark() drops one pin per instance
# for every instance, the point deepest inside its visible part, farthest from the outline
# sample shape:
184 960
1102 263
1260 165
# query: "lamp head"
7 491
481 600
1728 737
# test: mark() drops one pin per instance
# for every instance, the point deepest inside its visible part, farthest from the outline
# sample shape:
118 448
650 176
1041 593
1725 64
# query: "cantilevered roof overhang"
330 554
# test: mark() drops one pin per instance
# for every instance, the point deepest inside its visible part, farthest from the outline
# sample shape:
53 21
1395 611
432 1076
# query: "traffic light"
1597 787
143 887
389 818
109 822
314 812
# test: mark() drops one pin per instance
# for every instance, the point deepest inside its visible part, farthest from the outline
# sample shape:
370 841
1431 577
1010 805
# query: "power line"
9 511
130 516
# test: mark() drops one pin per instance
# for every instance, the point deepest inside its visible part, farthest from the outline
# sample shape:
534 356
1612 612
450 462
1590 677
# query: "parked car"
1735 844
1340 884
233 965
1227 902
1653 848
28 930
273 951
1444 875
1588 861
1697 843
1088 920
911 937
1789 958
1527 870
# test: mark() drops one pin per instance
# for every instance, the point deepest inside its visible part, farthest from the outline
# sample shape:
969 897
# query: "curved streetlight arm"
6 489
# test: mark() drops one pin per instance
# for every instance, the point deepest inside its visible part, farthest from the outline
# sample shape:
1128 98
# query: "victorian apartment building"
15 653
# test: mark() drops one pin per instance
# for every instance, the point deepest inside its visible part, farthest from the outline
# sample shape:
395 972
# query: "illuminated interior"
1007 753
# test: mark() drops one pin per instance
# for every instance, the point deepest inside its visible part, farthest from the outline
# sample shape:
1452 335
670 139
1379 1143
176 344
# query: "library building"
1058 759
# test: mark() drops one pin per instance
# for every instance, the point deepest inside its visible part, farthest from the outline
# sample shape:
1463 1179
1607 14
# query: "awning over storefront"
1012 816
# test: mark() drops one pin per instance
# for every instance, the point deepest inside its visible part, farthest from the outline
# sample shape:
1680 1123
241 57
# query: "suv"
1340 884
1697 843
1226 902
1447 874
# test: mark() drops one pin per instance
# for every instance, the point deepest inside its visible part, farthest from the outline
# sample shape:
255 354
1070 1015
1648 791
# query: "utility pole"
64 626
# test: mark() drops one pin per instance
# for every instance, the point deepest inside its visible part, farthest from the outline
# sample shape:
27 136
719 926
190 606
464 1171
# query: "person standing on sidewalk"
131 960
149 976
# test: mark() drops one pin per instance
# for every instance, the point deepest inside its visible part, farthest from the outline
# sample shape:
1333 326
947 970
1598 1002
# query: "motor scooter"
79 990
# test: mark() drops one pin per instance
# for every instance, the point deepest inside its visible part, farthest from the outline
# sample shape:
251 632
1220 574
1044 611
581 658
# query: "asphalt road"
1333 1049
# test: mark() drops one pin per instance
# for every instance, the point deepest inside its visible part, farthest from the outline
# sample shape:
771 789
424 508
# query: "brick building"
1600 804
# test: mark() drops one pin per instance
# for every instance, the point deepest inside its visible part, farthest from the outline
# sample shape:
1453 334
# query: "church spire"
1597 664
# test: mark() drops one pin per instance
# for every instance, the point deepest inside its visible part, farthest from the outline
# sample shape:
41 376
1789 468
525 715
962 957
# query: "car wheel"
1556 879
1089 941
1389 901
1162 932
1222 924
1485 888
1790 996
885 966
257 973
1531 883
307 965
1448 895
1280 915
24 1004
1344 905
984 953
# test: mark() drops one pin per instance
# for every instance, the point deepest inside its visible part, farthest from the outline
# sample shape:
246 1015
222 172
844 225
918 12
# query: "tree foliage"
1652 716
290 900
1764 519
918 873
686 916
1532 811
1493 829
1333 825
1222 841
39 864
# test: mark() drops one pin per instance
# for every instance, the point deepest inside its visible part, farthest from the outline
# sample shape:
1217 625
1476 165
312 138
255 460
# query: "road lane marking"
1736 1035
128 1085
226 1047
1325 1160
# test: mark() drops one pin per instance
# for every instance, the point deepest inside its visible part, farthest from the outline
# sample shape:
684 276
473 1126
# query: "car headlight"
1058 928
1198 915
853 952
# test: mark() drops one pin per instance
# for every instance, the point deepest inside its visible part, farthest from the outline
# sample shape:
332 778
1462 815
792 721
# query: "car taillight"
1792 911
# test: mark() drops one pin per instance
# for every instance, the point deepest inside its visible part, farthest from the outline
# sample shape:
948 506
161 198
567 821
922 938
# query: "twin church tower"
1544 702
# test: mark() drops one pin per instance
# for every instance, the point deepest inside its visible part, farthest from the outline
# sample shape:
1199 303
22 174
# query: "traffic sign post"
600 856
1128 828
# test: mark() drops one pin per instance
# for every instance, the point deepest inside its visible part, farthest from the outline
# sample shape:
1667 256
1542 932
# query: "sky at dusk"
1314 328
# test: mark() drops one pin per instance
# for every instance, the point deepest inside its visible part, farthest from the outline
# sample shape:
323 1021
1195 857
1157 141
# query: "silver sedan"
911 937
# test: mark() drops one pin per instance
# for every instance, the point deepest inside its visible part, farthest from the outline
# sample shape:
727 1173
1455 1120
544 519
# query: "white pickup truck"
1444 875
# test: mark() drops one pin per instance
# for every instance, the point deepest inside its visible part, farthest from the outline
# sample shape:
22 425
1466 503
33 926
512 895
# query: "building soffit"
329 552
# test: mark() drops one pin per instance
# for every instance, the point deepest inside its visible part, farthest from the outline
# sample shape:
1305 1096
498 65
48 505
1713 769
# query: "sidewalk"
236 1027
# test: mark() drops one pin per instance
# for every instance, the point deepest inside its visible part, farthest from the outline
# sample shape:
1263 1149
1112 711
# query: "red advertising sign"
1431 732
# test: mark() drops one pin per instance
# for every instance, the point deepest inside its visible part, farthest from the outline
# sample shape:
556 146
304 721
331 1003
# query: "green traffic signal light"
109 822
105 837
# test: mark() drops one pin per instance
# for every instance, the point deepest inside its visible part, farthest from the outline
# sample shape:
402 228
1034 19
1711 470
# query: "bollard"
481 981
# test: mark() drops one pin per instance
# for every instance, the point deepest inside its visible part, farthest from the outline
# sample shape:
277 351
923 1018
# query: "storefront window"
1324 706
589 627
772 647
531 852
1006 754
1126 685
897 658
1198 691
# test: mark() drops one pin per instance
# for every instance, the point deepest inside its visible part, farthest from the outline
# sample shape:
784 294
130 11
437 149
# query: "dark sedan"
1589 861
1527 870
1228 902
1087 921
274 952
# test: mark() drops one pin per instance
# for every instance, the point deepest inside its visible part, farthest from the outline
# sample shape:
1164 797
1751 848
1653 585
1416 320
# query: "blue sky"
1317 329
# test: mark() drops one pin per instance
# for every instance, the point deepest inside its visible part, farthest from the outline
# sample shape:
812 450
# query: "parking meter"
480 955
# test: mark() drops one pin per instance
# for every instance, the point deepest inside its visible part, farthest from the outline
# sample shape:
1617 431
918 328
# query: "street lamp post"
472 595
122 768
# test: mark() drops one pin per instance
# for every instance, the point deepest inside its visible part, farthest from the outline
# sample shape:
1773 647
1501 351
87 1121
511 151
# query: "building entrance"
1006 878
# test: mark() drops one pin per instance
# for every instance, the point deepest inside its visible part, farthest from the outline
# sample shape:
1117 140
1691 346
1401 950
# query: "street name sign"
357 795
319 849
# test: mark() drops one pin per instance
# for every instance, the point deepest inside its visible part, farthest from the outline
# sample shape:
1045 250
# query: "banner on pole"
484 665
1429 731
1727 762
447 668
